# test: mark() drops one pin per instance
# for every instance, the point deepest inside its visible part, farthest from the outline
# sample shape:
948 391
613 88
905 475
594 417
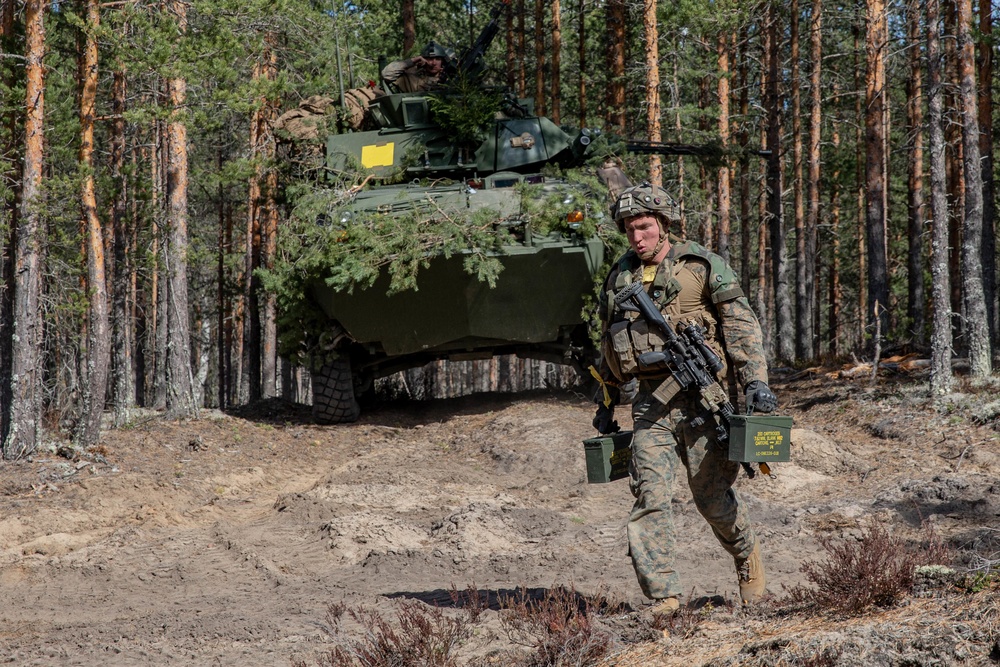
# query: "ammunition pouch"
630 340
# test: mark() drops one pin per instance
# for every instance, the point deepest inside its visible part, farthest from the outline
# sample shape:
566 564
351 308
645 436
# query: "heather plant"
560 629
876 570
422 636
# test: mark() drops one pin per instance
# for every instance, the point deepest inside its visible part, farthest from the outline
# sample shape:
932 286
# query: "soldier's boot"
665 606
751 574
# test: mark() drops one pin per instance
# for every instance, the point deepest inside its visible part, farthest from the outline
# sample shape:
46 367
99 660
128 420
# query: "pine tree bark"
859 148
783 326
269 224
724 203
510 51
409 22
977 328
985 69
522 86
807 323
652 48
582 58
876 40
22 417
955 157
556 60
540 57
835 296
616 65
915 176
88 429
744 172
941 339
123 396
9 172
180 384
798 198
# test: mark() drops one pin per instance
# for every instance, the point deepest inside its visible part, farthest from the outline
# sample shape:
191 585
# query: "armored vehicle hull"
534 308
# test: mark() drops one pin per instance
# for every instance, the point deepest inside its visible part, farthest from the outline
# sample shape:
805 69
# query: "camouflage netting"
317 115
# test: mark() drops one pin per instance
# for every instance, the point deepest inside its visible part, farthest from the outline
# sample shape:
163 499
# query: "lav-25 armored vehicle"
535 307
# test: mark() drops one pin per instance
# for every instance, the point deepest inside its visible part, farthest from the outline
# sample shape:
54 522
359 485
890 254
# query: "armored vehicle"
534 306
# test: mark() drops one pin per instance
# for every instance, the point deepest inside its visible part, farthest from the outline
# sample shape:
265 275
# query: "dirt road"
222 541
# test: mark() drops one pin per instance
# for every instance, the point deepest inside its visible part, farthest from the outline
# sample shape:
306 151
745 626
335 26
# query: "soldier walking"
688 283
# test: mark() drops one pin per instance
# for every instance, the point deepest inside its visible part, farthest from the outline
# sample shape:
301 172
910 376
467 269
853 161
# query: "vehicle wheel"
333 394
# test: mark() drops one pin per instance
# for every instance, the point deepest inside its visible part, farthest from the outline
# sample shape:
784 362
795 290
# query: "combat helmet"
435 50
645 198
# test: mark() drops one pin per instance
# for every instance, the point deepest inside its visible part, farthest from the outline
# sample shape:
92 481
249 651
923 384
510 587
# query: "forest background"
141 189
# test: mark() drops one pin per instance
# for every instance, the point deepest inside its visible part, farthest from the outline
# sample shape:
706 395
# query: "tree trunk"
954 165
807 324
724 194
522 84
652 87
859 148
744 171
941 376
269 226
252 353
180 385
915 177
123 396
409 26
582 57
977 327
616 65
798 199
783 327
540 57
986 149
834 334
88 429
876 40
556 60
22 423
675 93
510 50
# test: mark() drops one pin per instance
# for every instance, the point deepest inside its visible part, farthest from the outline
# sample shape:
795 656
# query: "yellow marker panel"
377 155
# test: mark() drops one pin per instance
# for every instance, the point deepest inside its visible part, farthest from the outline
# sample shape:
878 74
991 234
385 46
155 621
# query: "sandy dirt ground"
223 541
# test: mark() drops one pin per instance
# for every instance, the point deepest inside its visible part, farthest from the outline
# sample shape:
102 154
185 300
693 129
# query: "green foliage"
465 110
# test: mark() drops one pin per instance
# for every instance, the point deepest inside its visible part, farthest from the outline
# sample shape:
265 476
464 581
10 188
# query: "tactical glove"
604 420
760 398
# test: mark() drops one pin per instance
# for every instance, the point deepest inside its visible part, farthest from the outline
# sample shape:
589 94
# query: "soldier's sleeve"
741 331
396 69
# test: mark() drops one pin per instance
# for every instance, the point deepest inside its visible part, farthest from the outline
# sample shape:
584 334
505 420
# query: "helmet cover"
435 50
645 198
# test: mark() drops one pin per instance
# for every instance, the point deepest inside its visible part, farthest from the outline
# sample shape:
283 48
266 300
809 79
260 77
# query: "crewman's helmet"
645 198
435 50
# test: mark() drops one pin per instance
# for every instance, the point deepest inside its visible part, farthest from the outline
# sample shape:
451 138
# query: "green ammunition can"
762 438
608 457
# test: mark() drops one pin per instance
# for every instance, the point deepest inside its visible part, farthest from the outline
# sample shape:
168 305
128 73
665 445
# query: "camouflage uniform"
408 77
691 283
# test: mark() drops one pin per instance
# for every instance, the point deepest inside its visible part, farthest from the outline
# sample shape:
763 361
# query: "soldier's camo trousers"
663 438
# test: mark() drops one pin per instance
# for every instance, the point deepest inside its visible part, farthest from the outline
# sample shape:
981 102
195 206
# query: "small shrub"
877 570
560 628
684 621
422 636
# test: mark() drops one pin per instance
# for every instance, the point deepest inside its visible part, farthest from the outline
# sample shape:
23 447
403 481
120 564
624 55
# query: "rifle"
692 363
470 64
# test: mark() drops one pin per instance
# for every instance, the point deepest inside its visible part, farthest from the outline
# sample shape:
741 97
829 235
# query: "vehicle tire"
333 394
